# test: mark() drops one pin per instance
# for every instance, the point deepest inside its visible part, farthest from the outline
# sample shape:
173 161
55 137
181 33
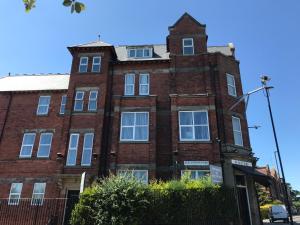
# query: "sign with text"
216 174
196 163
241 163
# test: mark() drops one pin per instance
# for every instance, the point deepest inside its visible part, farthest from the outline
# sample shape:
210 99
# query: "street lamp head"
264 79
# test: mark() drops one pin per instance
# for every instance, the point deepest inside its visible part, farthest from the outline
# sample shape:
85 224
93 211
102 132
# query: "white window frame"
14 201
143 52
88 149
197 174
93 99
128 53
42 105
130 172
34 200
228 76
125 84
24 145
187 46
150 53
40 144
193 126
75 149
63 103
134 127
83 64
96 64
237 131
140 84
79 100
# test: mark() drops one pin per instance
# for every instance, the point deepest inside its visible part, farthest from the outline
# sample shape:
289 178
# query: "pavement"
296 221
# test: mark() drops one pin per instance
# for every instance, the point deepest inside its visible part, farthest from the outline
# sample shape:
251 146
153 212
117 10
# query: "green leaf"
79 7
29 4
67 3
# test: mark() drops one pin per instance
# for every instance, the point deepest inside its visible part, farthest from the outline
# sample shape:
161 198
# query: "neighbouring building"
274 187
155 111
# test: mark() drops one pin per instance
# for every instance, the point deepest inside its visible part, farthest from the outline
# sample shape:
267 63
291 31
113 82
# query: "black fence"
28 212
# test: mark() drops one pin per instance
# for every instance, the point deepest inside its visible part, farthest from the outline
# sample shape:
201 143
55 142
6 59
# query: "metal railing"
26 212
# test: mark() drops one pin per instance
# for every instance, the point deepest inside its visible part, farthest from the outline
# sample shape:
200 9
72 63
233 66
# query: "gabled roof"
190 17
36 82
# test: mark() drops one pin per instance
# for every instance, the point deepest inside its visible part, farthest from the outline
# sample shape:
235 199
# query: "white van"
278 212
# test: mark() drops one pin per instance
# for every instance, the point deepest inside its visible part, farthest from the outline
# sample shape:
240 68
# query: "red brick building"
275 187
153 110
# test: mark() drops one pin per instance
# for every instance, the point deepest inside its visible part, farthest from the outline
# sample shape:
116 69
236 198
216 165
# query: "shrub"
120 201
115 201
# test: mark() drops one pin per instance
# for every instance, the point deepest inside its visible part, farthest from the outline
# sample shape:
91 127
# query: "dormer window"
139 52
188 46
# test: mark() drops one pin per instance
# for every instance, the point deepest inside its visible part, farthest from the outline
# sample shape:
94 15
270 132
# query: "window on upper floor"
63 104
194 126
43 105
96 67
144 84
38 194
188 46
72 151
139 175
134 126
140 52
78 104
15 193
87 149
195 174
231 85
93 100
27 145
237 131
44 145
83 64
129 84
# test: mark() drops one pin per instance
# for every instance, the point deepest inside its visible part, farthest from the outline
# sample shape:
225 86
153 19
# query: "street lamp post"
264 80
245 97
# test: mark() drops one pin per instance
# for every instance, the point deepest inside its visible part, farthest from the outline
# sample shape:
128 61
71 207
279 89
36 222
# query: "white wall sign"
216 174
241 163
82 182
196 163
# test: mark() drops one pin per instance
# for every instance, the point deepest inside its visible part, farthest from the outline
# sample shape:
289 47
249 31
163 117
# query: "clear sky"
266 34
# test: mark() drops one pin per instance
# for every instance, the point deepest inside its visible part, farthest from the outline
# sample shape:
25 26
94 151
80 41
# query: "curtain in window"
141 130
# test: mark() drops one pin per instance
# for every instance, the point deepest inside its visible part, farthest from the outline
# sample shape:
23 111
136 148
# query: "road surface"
296 221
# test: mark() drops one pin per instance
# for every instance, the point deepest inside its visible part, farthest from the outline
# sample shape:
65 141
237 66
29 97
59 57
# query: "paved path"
296 221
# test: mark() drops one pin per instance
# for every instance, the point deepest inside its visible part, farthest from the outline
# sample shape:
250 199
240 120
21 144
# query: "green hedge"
119 201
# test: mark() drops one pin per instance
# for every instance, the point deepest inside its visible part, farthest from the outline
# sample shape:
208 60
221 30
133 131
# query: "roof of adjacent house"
34 82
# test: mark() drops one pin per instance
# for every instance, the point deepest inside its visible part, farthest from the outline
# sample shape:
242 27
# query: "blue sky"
265 32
